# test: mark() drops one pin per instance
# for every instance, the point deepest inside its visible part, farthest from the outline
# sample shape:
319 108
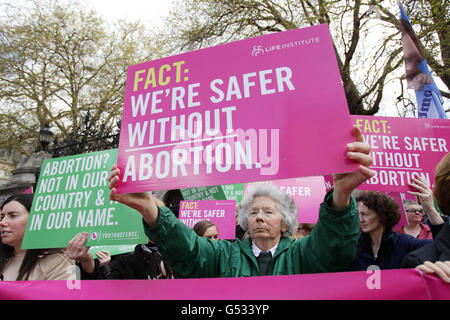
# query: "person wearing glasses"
378 243
270 217
415 226
424 195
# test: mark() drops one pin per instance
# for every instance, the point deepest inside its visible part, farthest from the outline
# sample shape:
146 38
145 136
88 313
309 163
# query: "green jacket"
331 247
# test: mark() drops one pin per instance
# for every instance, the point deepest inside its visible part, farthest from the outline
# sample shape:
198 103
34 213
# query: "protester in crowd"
415 227
378 244
413 55
441 189
207 229
240 233
31 264
434 258
270 216
425 197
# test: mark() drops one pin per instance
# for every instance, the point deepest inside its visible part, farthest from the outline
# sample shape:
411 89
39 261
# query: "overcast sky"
149 12
152 12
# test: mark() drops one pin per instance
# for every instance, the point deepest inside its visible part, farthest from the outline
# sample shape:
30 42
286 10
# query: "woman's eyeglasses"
415 210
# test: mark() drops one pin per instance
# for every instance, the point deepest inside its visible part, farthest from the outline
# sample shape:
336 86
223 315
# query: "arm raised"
425 196
143 202
345 183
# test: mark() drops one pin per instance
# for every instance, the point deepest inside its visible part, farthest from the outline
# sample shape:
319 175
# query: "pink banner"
220 212
307 192
407 284
271 106
402 147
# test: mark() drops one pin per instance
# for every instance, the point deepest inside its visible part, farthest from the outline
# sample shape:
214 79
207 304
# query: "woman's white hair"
285 203
408 202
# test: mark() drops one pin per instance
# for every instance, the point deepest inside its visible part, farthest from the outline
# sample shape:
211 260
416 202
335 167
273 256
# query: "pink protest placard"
220 212
307 192
269 107
403 284
402 147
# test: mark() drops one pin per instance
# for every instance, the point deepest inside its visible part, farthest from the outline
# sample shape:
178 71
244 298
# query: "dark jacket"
439 250
331 247
144 263
394 246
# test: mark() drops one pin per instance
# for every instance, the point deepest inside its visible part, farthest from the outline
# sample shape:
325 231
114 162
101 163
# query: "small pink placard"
220 212
401 148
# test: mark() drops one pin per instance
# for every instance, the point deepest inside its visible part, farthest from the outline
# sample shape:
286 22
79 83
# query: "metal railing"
86 146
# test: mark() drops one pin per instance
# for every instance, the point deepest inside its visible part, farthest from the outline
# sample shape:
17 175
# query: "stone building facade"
25 175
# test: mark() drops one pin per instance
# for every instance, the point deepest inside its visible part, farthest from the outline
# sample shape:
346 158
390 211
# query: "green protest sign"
203 193
234 191
72 196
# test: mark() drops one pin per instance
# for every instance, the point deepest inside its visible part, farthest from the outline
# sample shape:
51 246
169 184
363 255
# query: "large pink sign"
402 284
307 192
401 148
268 107
220 212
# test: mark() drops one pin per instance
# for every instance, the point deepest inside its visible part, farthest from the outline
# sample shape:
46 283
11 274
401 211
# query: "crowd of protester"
355 230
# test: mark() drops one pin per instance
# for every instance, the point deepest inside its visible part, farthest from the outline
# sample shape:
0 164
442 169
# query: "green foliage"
201 23
60 61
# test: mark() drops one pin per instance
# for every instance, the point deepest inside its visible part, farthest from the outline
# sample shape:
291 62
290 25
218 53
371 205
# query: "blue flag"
418 76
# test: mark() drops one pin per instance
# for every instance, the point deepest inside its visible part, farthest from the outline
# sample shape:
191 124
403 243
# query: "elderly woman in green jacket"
270 217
